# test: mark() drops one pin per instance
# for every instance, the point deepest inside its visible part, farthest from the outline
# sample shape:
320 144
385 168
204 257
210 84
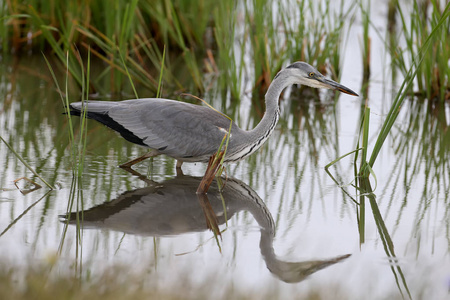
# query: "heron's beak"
330 84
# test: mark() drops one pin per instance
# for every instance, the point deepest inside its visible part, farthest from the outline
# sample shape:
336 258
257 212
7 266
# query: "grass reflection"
365 190
422 144
424 141
76 201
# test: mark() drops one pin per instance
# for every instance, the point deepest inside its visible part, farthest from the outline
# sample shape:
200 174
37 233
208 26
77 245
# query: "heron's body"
155 123
193 133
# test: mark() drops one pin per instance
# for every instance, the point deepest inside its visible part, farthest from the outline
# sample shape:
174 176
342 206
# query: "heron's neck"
270 118
247 143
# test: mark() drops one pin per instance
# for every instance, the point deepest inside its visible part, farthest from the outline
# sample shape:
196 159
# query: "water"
288 228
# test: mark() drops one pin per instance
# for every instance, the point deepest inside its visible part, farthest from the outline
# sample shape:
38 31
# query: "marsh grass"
312 32
364 191
269 33
78 148
366 163
406 85
133 34
77 153
425 26
231 47
364 159
317 34
366 42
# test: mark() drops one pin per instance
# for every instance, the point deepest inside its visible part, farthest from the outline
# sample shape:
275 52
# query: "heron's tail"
101 107
98 111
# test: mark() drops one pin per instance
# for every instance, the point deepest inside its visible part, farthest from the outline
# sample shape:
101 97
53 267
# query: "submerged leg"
140 176
214 165
179 163
132 162
178 168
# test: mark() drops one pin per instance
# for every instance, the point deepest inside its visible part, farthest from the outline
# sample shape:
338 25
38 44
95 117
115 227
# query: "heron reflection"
172 208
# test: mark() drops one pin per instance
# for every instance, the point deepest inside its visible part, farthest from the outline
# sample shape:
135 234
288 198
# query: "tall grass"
131 29
415 69
77 151
425 25
316 36
78 148
366 43
417 66
231 43
266 32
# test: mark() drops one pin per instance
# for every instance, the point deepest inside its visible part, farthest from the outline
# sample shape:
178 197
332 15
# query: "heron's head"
303 73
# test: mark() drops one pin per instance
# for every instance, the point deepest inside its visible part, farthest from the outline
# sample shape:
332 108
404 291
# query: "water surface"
287 227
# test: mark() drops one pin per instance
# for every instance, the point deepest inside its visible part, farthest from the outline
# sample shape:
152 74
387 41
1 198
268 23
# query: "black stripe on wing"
109 122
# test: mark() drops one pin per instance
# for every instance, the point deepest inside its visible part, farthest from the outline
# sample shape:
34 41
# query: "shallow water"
287 227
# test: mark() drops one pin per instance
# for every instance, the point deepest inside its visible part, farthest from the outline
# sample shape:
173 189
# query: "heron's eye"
311 74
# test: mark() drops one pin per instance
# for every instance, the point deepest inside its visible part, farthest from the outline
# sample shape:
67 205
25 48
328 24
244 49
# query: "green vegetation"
412 73
129 38
365 13
141 39
161 47
425 29
203 35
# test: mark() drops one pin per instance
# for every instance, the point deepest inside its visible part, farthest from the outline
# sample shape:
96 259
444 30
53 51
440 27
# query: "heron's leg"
132 162
178 168
140 176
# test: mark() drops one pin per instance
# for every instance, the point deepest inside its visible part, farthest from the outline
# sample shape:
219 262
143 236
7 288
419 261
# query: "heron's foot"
132 162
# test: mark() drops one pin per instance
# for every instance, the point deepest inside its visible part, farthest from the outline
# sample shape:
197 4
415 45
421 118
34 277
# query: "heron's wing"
175 128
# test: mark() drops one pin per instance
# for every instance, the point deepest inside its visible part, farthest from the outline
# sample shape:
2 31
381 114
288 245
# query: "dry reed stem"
210 173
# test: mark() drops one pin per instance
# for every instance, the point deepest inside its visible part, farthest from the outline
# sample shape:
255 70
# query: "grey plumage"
193 133
181 130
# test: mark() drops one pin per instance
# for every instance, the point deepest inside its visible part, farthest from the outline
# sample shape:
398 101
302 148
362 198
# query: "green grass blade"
128 74
158 92
341 157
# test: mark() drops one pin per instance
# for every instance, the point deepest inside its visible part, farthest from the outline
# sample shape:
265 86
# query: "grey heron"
193 133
